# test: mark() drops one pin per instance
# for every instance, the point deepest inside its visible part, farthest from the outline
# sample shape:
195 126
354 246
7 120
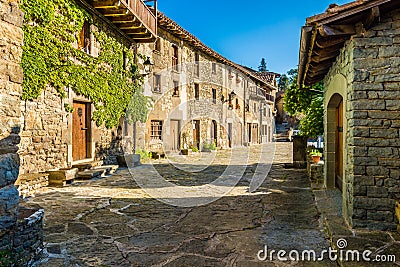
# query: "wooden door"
339 147
254 133
80 131
214 132
174 137
196 133
249 132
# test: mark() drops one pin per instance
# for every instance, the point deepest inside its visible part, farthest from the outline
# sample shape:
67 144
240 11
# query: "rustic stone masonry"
21 231
28 239
11 39
370 62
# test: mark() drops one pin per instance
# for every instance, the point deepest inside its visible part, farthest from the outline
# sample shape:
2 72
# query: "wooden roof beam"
373 16
330 41
128 18
107 4
115 13
336 30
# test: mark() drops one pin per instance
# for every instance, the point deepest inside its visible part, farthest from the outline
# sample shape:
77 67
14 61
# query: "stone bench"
62 177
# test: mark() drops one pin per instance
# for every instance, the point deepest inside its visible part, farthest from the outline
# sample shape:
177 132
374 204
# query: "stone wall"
373 118
46 137
11 39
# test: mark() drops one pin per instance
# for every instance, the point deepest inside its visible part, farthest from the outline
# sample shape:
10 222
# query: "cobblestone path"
114 222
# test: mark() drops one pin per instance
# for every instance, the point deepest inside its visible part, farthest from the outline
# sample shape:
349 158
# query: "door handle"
84 128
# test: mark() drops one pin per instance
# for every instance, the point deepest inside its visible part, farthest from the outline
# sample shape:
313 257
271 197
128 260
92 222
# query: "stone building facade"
362 106
200 97
48 134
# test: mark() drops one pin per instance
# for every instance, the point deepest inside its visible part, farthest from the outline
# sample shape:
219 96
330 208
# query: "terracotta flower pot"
316 159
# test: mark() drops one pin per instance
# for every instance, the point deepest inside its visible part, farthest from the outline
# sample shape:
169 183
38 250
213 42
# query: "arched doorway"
335 142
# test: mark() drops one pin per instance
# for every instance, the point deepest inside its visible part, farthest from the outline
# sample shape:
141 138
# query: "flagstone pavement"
184 219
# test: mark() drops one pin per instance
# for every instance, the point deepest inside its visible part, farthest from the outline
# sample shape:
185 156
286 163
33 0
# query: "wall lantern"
148 66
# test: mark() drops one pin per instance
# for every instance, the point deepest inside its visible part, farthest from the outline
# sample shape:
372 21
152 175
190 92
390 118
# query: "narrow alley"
112 222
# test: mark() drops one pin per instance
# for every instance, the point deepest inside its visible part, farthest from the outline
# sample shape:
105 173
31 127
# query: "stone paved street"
113 222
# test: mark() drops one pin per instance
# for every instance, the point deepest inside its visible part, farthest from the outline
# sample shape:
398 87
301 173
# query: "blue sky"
246 31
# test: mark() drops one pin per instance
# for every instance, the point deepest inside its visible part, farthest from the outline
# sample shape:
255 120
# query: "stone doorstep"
97 171
89 174
62 177
87 165
110 169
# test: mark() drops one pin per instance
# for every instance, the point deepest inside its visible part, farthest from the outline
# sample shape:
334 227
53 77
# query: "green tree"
283 82
263 66
305 103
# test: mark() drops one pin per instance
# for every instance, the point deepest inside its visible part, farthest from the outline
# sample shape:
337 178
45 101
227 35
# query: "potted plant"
316 155
184 150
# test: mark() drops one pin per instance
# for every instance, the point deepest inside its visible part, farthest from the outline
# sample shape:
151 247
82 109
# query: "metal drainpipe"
134 123
261 115
244 113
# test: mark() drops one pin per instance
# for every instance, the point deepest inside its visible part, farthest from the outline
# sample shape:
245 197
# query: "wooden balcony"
133 17
259 93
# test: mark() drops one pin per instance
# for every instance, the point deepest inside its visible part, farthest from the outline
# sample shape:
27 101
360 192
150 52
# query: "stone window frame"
175 92
196 91
84 38
213 67
157 83
157 45
214 95
156 129
196 64
175 57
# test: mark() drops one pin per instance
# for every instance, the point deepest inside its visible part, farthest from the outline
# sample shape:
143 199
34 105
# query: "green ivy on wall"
51 28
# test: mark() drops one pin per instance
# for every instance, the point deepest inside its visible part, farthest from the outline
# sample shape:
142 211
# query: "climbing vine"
50 58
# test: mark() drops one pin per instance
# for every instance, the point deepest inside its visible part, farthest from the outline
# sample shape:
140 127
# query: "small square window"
156 130
214 67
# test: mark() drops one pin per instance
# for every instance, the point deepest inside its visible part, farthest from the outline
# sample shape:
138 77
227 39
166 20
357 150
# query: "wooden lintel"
372 17
336 30
106 4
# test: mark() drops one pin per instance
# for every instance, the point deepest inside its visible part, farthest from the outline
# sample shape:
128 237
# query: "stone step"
28 183
62 177
90 174
109 169
88 165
